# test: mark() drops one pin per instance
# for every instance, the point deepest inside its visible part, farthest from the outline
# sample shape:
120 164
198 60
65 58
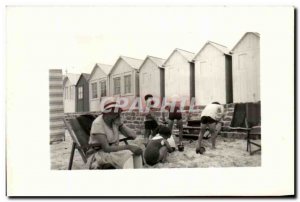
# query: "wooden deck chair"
253 125
79 130
246 118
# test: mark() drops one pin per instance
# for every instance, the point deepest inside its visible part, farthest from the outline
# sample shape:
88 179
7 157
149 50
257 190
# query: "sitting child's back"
158 147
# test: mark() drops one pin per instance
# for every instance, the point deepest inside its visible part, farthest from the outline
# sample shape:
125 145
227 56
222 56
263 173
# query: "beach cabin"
213 74
124 78
82 92
246 68
98 85
152 77
57 126
69 84
179 74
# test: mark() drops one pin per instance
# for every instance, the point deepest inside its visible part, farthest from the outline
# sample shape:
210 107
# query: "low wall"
135 120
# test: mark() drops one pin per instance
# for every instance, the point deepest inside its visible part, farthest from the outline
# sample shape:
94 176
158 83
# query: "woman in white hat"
105 136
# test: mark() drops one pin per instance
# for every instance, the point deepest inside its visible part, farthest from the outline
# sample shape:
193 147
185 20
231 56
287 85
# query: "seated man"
210 117
104 139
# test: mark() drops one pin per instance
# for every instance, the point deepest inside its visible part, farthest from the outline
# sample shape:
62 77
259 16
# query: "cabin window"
117 86
94 90
103 88
80 92
127 84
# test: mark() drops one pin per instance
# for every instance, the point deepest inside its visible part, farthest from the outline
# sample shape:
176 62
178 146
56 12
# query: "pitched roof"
86 76
186 54
158 61
133 62
218 46
254 33
73 78
106 68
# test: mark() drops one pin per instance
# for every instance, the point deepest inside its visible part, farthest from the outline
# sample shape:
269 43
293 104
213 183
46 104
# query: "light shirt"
99 126
214 111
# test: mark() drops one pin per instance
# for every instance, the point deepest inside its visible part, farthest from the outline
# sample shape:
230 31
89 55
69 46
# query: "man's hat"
111 106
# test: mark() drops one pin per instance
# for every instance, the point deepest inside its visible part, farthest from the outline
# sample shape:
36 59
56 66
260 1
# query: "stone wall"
135 120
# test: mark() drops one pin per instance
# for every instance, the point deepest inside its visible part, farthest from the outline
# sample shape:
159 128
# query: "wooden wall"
82 105
97 76
70 101
150 79
121 69
210 75
177 76
246 69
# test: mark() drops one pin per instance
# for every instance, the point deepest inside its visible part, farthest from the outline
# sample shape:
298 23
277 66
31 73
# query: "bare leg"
170 125
163 153
180 127
213 132
202 131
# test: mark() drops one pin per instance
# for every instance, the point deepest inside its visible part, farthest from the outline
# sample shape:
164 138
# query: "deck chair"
253 125
246 118
79 130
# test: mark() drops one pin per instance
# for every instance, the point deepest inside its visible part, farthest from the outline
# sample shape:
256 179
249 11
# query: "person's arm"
102 141
166 143
126 131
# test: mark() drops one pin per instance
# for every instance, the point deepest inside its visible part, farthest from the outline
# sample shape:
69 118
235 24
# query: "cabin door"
80 100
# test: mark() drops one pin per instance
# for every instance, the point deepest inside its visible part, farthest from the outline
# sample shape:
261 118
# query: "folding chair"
79 130
246 118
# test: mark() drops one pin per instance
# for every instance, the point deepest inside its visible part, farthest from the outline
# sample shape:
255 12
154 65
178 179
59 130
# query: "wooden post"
72 156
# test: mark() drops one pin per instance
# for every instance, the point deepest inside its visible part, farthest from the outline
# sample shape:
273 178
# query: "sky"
75 38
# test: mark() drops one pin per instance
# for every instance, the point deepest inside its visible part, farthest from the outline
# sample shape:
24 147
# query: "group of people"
158 139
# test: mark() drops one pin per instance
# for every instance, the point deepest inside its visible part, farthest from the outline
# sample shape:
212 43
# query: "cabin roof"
106 68
133 62
218 46
247 33
186 54
157 61
85 76
73 78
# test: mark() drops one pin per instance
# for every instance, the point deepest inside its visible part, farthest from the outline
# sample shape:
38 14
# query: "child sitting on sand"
158 147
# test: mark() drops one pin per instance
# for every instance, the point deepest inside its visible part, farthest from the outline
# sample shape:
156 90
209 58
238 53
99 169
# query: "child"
174 114
158 147
149 120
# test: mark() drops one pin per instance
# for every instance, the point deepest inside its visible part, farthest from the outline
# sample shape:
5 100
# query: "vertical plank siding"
246 69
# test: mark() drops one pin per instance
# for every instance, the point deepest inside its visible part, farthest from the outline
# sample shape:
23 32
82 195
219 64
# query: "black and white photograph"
123 90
